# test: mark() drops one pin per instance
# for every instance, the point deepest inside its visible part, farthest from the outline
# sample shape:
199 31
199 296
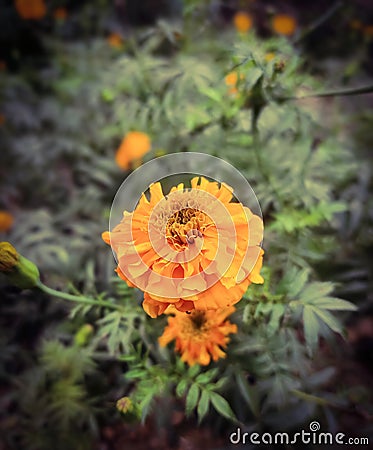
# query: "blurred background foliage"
75 77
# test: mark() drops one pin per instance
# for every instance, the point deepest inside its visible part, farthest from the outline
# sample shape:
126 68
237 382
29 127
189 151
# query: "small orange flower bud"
133 147
242 21
6 219
284 24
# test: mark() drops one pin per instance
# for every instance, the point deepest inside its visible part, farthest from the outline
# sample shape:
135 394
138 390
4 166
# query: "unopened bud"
20 271
83 335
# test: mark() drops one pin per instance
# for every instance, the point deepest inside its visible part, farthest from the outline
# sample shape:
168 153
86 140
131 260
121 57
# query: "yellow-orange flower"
31 9
194 248
200 336
242 21
368 30
60 13
231 80
6 221
115 40
133 147
2 66
284 24
355 24
269 56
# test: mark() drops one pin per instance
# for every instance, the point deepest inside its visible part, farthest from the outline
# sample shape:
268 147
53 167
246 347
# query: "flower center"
196 326
184 226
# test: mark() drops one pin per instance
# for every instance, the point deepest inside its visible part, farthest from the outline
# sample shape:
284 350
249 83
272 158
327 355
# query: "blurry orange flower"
60 13
231 80
355 24
134 145
193 248
115 40
284 24
6 221
368 30
2 66
242 21
200 336
31 9
2 119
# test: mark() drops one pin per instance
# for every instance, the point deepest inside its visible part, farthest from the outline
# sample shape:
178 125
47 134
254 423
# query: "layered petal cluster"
200 336
194 248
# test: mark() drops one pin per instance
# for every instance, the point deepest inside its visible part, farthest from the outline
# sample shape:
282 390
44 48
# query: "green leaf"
203 405
336 304
192 399
311 327
194 370
222 406
206 377
249 394
330 320
181 387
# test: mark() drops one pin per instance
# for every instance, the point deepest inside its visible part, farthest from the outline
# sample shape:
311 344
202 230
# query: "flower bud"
83 335
20 271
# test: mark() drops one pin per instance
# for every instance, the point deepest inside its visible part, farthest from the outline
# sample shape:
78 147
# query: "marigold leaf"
222 406
192 399
203 405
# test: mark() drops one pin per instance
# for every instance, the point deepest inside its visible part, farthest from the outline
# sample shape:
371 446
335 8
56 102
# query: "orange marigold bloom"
6 221
284 24
31 9
60 13
200 336
194 248
368 30
2 66
231 80
133 147
115 40
242 21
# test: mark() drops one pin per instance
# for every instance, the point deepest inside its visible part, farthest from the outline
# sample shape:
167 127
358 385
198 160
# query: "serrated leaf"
311 327
335 304
181 387
203 405
206 377
329 320
192 399
249 394
222 406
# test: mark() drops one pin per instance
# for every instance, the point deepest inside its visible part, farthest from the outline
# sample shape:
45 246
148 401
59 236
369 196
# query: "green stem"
336 93
76 298
320 21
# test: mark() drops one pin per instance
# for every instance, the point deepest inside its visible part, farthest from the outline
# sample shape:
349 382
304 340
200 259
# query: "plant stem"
335 93
318 22
76 298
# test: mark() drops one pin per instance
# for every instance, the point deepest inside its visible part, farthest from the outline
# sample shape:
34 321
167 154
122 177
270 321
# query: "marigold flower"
284 24
60 13
133 147
6 219
355 24
231 80
200 336
115 40
2 66
242 21
194 248
368 30
31 9
21 272
269 56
